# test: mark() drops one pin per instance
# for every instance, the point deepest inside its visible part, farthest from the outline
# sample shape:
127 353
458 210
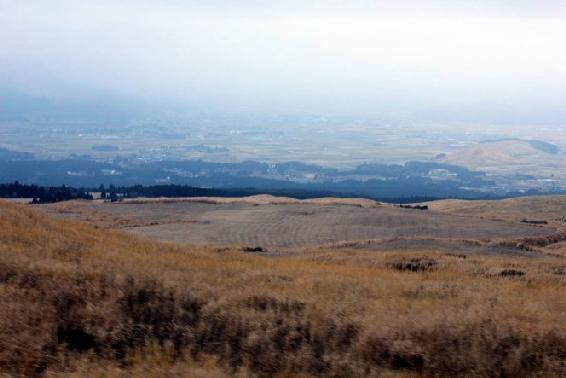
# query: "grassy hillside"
549 208
78 300
511 156
284 225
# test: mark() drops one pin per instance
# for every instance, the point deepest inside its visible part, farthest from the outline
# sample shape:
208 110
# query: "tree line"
41 194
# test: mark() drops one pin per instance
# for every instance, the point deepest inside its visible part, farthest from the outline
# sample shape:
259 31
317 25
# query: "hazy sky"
445 59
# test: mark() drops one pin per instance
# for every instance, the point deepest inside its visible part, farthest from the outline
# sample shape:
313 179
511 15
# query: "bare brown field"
278 225
541 208
77 300
261 199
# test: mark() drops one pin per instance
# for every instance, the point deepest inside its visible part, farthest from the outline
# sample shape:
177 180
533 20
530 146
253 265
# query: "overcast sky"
470 59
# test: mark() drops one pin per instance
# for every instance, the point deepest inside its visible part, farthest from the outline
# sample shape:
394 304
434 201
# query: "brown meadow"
76 300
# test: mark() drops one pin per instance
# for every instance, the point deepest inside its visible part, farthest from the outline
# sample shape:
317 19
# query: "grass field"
547 208
77 300
279 224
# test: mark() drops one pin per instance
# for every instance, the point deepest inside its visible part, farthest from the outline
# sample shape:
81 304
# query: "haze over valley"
329 85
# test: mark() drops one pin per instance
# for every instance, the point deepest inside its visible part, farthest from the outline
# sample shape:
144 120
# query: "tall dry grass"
80 301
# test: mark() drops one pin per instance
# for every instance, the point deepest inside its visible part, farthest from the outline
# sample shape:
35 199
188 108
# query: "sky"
448 60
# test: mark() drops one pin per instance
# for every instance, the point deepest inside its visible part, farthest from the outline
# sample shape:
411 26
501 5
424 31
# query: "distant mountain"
509 156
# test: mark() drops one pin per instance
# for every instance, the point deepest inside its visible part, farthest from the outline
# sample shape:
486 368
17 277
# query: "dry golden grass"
292 226
548 208
262 199
75 300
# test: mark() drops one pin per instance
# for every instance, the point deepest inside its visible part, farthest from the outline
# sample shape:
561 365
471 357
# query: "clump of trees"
415 207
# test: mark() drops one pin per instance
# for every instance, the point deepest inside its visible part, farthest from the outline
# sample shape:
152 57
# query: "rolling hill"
285 224
79 300
521 159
